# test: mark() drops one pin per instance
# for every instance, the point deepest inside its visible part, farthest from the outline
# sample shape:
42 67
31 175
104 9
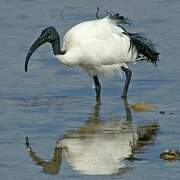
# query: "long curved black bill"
40 41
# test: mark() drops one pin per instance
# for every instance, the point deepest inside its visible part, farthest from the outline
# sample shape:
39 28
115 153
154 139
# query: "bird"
101 47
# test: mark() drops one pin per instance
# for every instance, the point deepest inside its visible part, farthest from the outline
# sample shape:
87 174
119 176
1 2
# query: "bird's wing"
95 29
99 42
112 50
109 42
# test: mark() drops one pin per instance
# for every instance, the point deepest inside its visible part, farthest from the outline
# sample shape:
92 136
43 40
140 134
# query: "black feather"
145 48
118 19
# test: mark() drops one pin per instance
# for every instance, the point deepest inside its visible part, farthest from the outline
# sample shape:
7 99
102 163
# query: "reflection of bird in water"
98 147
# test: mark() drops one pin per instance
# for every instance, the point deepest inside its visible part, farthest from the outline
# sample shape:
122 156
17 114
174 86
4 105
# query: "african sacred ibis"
100 47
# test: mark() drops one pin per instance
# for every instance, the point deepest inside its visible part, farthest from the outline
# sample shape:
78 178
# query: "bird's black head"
48 35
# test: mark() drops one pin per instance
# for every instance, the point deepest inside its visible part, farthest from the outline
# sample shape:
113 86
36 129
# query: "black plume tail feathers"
145 48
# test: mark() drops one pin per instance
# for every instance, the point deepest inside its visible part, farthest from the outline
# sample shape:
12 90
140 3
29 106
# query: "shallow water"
51 103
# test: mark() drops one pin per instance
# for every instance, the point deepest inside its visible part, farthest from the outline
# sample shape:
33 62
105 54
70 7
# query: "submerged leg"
128 73
97 87
127 110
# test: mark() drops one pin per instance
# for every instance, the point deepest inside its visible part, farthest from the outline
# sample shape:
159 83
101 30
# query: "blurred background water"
51 100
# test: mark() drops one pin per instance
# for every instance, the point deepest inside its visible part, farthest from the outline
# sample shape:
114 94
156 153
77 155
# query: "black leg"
97 13
127 110
97 87
128 73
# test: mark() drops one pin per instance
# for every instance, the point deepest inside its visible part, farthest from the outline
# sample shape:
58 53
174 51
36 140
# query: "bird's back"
102 47
100 29
98 42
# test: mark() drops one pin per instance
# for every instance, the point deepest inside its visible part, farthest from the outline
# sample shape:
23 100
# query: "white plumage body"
99 46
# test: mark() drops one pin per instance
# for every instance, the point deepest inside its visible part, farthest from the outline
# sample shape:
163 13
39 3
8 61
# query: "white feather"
99 47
